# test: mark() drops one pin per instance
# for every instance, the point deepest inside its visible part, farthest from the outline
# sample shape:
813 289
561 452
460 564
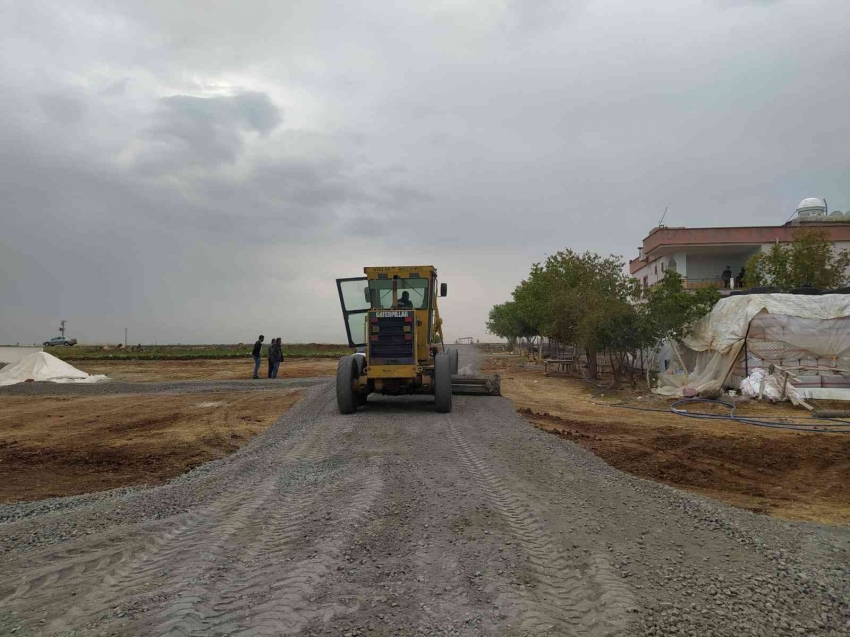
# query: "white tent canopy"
779 326
41 366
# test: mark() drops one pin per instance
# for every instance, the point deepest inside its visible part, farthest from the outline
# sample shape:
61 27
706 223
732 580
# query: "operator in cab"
404 302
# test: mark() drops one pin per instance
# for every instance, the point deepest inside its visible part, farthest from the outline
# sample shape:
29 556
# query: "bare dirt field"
69 445
789 474
205 369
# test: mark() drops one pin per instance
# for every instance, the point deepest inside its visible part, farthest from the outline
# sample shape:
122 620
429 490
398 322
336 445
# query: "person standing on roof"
255 353
726 276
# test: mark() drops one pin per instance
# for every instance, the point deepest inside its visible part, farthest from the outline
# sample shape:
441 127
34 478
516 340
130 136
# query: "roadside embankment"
788 474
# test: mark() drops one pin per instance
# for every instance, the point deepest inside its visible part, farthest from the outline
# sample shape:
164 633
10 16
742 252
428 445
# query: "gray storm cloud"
209 130
201 172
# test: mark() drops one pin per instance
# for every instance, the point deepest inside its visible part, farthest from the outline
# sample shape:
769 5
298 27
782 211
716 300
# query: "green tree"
504 321
670 311
809 259
533 302
589 294
588 301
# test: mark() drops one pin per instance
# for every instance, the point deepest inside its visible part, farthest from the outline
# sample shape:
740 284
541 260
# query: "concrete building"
701 254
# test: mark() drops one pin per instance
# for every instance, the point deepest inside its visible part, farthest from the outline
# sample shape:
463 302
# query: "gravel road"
401 521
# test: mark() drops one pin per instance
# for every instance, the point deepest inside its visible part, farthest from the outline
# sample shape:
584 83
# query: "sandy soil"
782 473
214 369
61 446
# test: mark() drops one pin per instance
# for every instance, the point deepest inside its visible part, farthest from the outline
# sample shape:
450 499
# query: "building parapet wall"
747 235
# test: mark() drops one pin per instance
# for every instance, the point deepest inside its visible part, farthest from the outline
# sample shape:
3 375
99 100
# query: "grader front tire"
442 383
346 373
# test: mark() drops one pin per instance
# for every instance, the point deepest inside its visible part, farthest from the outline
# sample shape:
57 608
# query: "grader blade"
477 385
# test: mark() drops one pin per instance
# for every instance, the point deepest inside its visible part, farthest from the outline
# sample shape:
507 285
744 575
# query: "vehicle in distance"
60 340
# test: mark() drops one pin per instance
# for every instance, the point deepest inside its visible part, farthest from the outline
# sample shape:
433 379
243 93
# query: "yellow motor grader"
392 321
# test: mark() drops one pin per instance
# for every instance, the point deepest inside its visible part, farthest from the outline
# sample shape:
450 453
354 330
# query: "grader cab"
393 322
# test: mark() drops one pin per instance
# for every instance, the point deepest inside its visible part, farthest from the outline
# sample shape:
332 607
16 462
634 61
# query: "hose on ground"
824 425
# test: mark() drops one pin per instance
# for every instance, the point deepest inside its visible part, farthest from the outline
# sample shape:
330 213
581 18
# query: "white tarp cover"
816 324
44 367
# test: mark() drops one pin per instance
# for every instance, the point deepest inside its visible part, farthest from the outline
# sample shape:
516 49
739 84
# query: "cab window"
413 291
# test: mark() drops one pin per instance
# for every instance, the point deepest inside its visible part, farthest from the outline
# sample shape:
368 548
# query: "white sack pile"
44 367
770 387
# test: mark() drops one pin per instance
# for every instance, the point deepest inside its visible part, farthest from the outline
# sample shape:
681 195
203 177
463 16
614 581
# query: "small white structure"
41 366
811 207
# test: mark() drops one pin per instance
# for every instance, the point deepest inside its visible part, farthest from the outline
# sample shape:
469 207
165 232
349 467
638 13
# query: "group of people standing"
726 276
275 356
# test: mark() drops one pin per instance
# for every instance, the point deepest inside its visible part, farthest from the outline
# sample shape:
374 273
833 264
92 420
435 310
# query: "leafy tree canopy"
587 300
809 259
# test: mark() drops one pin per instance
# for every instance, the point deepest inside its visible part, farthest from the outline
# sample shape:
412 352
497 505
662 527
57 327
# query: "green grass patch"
192 352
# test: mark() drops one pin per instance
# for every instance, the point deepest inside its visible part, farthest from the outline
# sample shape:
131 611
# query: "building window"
656 268
645 282
662 266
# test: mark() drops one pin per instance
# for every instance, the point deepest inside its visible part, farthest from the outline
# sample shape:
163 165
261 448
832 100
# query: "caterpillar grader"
393 323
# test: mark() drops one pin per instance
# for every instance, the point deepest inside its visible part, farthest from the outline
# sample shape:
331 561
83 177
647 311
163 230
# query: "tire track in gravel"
288 609
116 565
122 572
267 595
189 613
564 600
178 557
211 539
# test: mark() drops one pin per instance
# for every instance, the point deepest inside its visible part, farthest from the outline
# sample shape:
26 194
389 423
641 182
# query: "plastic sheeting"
44 367
817 326
707 374
727 323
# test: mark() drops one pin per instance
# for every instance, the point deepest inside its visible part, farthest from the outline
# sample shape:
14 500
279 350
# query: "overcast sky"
203 171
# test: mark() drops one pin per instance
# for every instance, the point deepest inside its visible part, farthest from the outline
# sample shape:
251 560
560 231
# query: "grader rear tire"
453 357
346 373
442 384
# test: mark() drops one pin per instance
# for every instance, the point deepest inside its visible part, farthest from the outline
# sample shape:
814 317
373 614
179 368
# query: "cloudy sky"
202 171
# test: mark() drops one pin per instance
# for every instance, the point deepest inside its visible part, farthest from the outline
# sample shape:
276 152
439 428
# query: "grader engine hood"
391 337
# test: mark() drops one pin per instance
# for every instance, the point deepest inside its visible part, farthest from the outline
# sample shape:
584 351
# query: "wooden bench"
560 364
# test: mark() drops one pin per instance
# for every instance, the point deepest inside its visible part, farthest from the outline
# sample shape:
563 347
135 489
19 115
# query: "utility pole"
62 328
125 337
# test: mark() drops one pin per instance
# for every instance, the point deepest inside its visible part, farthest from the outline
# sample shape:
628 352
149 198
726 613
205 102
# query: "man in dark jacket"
272 354
727 277
258 347
275 357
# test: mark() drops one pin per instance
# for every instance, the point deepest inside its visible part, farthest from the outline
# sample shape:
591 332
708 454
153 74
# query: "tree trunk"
591 362
615 370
